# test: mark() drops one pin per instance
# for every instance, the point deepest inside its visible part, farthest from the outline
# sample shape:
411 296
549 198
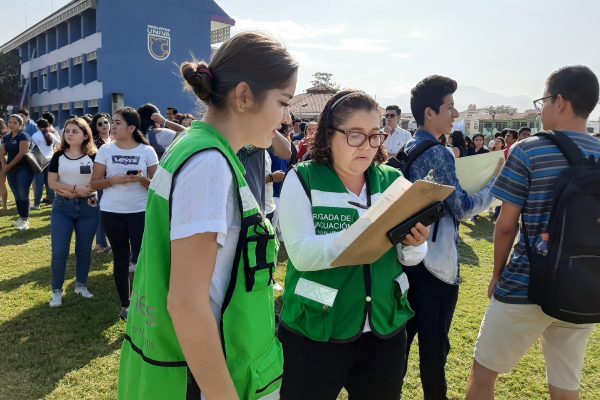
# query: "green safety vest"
332 304
153 365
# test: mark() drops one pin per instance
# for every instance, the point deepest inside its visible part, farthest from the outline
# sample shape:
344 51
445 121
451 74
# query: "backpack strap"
566 146
419 149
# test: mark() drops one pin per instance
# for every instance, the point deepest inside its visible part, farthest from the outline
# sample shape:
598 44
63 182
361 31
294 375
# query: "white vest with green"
332 304
153 365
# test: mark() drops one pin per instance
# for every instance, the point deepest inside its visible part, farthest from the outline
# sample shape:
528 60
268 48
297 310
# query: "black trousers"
369 367
124 232
433 302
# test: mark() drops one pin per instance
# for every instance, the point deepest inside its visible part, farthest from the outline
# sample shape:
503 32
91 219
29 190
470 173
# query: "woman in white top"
74 208
46 140
124 169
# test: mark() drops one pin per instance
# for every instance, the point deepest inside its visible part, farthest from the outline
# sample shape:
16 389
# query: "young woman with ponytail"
123 169
203 324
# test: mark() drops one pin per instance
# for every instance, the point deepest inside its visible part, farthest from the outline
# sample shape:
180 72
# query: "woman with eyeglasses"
101 133
342 326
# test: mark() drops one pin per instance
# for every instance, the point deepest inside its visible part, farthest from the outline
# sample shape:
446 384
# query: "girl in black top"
478 142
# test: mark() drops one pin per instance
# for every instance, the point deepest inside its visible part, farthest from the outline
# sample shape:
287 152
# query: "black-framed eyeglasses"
102 123
356 139
539 103
391 115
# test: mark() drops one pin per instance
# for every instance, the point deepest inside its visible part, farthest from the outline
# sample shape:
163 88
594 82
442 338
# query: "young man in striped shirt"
512 324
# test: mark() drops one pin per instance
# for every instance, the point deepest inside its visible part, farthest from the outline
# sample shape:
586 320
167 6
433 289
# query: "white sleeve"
151 155
101 155
307 250
202 192
411 255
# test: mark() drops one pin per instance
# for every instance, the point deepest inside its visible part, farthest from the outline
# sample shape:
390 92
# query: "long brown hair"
87 146
336 111
259 60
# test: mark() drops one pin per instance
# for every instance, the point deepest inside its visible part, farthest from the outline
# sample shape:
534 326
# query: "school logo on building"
159 42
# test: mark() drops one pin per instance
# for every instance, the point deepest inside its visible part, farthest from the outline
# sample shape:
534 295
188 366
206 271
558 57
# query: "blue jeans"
39 181
70 215
100 235
19 180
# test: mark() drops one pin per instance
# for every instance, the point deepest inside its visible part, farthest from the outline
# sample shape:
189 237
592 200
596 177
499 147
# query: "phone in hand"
132 172
427 217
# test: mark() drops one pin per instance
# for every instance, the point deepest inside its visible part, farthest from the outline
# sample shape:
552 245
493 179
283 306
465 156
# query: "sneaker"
132 267
123 314
23 225
34 207
83 292
17 222
56 298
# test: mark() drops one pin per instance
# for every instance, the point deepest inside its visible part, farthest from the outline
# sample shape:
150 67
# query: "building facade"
97 55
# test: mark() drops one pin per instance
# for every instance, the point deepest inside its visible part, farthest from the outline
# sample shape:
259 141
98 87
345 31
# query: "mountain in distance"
466 95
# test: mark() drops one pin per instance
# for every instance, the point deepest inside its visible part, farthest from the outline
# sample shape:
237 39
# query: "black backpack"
404 159
565 279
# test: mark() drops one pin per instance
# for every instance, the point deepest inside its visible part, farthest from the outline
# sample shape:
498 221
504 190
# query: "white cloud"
287 30
413 35
400 55
364 45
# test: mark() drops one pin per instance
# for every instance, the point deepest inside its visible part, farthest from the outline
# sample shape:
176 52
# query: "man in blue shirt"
28 125
434 283
512 324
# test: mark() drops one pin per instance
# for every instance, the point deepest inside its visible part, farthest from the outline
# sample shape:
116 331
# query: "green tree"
503 109
10 73
324 78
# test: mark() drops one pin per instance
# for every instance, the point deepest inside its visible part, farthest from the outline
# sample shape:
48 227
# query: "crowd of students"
199 233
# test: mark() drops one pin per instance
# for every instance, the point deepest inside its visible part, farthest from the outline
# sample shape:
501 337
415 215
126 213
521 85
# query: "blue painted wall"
124 63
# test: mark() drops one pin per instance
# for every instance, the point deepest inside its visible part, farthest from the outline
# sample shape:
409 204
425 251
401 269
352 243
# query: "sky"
385 47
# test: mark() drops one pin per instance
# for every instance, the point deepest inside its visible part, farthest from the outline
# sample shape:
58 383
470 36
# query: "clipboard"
366 239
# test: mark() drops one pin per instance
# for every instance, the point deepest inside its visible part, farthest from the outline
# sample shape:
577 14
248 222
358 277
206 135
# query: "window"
91 56
77 60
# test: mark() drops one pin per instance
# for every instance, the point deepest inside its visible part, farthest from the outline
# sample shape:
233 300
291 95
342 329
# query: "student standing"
124 169
75 207
203 322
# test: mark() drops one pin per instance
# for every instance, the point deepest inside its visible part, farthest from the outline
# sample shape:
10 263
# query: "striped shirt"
527 181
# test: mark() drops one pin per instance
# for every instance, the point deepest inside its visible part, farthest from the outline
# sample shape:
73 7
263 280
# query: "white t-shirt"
40 141
396 140
269 201
204 201
72 171
129 197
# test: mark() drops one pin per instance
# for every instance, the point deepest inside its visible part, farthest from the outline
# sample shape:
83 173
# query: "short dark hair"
172 109
145 113
48 116
42 123
577 84
430 92
23 111
512 132
393 107
349 101
478 135
524 128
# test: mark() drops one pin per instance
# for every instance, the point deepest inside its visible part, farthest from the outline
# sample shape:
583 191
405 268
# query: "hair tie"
206 71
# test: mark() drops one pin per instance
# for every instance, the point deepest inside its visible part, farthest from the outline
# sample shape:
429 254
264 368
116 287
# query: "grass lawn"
72 352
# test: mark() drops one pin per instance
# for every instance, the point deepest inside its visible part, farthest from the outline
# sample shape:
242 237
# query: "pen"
355 204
